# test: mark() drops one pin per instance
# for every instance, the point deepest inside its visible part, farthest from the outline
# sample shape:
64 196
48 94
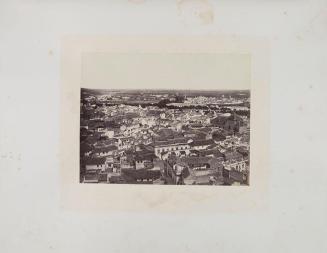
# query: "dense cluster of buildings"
152 141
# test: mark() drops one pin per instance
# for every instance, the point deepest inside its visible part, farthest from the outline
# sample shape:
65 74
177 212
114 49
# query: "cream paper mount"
181 63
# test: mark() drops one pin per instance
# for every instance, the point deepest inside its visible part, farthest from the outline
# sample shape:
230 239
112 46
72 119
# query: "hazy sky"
166 71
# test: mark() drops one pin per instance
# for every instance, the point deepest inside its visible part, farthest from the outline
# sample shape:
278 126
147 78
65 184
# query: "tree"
218 136
179 99
163 103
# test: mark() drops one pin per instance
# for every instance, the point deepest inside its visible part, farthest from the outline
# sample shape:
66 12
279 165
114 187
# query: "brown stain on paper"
196 11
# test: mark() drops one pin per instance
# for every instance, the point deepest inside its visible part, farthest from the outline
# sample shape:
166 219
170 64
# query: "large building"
176 146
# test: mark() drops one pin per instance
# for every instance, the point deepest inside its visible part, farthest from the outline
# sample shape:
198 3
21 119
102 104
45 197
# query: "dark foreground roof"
95 161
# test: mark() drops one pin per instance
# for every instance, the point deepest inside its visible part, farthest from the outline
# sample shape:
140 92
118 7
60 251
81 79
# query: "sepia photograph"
165 137
164 121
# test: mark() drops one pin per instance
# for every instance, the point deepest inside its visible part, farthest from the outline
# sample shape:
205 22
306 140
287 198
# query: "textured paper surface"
36 216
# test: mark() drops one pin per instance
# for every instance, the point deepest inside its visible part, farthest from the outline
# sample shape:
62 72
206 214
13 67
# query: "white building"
177 147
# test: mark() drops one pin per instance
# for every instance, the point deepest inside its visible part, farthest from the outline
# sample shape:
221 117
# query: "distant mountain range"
162 91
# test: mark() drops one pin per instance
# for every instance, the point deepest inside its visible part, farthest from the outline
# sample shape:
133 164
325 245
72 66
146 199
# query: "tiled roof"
233 155
200 161
84 148
95 161
142 174
236 175
141 156
214 152
91 139
171 142
103 177
202 142
105 149
91 177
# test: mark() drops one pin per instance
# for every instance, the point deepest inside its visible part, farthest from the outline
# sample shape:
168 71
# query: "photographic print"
165 120
165 137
